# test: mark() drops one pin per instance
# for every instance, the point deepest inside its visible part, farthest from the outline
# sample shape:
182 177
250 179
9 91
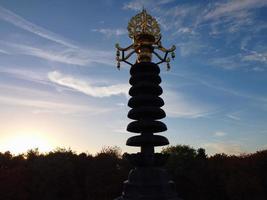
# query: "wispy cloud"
24 74
241 60
232 7
43 106
137 5
177 105
22 23
189 48
38 101
233 16
237 93
87 88
3 51
234 117
224 147
179 19
227 62
255 56
72 56
219 134
63 51
111 32
221 87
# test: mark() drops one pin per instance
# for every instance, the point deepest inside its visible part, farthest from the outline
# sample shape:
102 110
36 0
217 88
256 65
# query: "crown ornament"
144 30
143 23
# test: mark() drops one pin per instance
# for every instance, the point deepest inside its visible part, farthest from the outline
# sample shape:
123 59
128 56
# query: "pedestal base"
148 183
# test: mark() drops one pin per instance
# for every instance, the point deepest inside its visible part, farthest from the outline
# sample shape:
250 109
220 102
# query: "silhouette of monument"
148 180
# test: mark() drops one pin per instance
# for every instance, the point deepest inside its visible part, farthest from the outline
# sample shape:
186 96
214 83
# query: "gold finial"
145 32
143 23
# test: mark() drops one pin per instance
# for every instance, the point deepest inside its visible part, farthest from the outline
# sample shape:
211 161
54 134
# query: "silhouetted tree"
65 175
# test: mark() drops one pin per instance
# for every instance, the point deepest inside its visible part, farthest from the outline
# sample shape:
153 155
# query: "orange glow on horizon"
22 142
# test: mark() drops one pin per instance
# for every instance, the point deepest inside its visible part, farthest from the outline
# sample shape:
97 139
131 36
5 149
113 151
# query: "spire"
144 30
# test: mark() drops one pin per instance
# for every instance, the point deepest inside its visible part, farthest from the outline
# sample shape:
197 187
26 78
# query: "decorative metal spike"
173 55
168 66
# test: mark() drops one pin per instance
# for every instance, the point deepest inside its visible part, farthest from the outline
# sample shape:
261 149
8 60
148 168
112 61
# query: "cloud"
121 104
177 105
87 88
3 52
181 11
41 100
205 81
111 32
258 69
221 147
240 61
24 74
233 7
122 130
43 106
74 56
231 91
232 16
69 53
179 19
229 62
184 30
219 134
134 5
138 5
234 117
190 48
255 56
22 23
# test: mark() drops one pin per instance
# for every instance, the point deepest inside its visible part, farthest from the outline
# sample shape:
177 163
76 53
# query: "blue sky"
59 86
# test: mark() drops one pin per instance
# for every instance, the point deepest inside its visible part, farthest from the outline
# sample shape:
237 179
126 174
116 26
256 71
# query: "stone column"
148 180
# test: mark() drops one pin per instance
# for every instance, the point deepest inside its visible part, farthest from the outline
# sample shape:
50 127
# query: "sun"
22 142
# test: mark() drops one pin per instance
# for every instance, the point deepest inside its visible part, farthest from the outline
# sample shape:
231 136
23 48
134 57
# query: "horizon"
59 86
68 149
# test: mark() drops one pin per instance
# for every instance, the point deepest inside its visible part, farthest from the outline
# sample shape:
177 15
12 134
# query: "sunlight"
22 142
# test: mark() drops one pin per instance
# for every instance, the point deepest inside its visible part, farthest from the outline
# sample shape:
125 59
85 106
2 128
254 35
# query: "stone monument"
148 180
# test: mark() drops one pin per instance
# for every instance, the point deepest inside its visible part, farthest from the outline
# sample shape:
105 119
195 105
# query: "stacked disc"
146 106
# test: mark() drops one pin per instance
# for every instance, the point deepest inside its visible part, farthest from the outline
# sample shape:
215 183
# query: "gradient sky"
59 86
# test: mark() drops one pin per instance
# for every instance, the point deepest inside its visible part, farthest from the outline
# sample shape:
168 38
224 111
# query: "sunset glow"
22 142
59 86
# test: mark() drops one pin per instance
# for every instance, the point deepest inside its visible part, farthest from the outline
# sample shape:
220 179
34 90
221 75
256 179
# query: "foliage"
64 174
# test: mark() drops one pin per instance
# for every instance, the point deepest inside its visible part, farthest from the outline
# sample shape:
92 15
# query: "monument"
148 180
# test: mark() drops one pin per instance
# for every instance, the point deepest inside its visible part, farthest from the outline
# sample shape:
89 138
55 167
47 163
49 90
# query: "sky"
59 86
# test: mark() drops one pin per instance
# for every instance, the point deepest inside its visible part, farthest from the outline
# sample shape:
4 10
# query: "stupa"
148 180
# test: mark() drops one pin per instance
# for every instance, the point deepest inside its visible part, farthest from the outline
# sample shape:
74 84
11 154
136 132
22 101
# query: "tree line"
65 175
